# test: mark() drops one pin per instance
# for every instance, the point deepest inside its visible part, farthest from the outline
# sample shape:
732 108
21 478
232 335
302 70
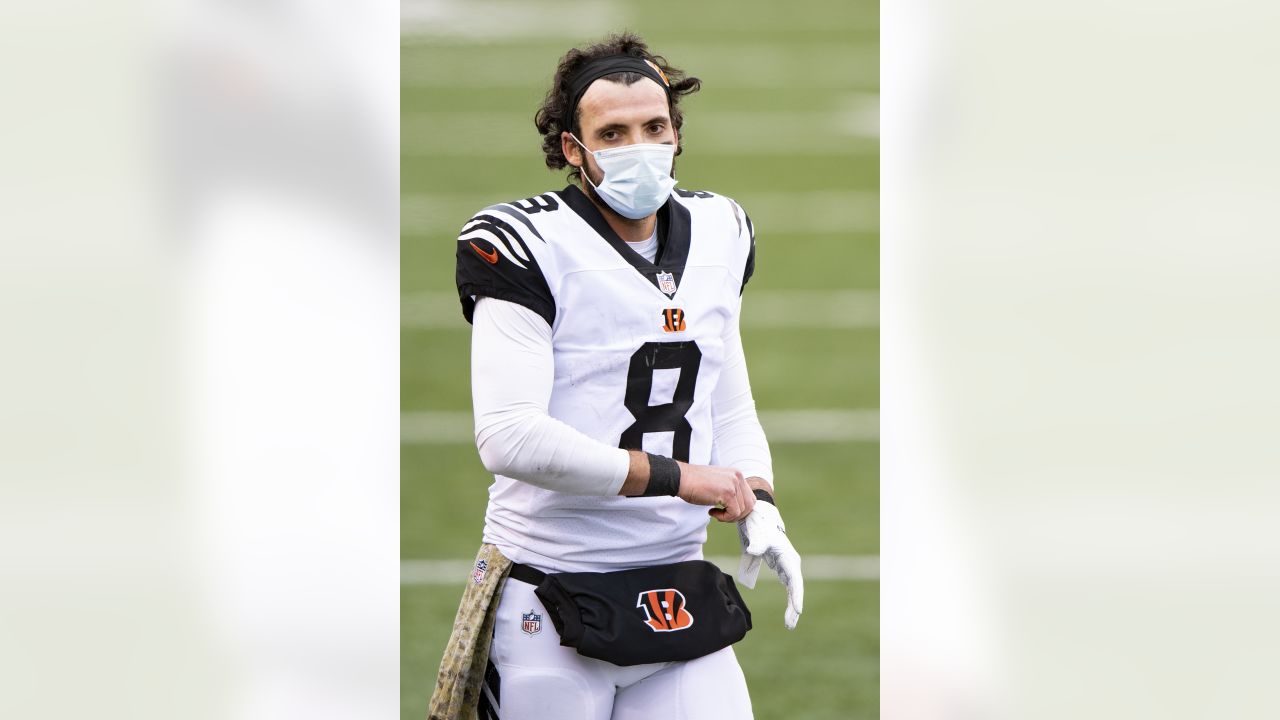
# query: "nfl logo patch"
532 623
667 283
482 569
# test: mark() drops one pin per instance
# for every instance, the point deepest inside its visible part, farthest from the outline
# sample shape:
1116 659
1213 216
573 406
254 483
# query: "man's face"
612 115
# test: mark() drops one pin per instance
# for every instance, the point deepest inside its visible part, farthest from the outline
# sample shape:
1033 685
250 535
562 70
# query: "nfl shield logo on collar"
667 283
532 623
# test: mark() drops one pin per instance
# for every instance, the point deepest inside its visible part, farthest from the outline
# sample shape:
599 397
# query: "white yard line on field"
486 133
488 20
780 426
817 211
817 309
772 213
440 57
437 427
816 568
762 309
813 426
860 115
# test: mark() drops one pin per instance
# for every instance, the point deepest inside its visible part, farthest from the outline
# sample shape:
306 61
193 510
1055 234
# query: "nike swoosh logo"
491 257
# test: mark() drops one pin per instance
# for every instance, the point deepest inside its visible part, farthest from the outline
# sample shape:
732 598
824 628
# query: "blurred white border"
937 659
290 139
199 428
1079 266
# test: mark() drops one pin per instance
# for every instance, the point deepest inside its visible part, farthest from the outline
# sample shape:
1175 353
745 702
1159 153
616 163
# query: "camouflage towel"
462 668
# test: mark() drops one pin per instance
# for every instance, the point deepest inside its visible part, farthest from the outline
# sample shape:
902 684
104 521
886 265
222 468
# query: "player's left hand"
764 537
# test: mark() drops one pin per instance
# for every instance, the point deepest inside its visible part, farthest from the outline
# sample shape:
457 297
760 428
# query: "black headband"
597 68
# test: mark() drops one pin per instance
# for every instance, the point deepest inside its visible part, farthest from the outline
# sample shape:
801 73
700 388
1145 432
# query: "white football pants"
532 677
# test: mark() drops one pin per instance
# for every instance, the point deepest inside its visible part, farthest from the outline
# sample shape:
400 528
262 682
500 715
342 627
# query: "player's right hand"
723 488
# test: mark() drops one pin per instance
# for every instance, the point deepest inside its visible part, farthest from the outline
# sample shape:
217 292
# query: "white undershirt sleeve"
512 374
739 439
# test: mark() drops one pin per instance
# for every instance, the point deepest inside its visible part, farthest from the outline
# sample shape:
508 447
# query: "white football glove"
764 537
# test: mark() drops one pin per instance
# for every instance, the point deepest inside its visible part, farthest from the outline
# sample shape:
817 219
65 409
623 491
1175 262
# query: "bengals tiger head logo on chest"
673 320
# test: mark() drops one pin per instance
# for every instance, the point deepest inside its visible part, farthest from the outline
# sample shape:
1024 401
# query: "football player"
611 397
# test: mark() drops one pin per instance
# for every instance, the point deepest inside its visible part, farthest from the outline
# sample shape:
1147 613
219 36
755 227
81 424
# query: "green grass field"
786 124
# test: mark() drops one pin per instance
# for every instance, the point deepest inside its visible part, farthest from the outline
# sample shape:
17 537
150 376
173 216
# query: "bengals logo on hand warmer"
664 610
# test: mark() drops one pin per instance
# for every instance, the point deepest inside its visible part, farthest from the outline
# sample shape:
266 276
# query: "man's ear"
570 149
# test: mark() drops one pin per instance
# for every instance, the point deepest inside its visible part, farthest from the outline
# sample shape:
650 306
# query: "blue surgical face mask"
637 178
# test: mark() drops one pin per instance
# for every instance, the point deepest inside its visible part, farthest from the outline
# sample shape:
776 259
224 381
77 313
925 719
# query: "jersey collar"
673 236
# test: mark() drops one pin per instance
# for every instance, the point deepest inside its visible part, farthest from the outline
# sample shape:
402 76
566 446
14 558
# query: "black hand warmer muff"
655 614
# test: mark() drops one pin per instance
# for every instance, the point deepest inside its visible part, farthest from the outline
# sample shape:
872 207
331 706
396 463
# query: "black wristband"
664 477
765 496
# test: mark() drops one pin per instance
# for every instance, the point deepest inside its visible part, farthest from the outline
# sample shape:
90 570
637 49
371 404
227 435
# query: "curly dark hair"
550 118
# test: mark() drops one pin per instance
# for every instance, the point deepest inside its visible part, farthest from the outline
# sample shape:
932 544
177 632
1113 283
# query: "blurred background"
201 430
787 123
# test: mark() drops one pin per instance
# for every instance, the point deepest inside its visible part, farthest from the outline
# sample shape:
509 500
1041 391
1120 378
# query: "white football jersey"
638 348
